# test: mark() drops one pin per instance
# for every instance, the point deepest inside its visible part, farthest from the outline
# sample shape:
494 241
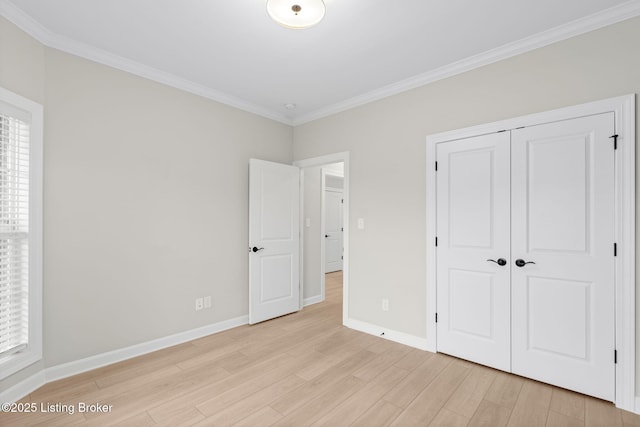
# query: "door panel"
558 316
473 211
557 189
563 220
470 198
274 212
274 269
333 231
470 305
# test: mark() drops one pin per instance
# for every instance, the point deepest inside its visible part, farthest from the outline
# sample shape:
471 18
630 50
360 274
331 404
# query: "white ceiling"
231 51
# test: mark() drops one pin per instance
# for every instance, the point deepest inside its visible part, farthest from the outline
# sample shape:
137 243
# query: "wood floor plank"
193 396
209 354
629 419
300 397
246 387
310 412
40 419
449 419
282 343
71 392
380 414
471 392
601 413
309 345
568 403
413 359
235 412
380 363
407 390
267 416
505 390
360 402
425 407
555 419
321 363
490 414
140 420
138 379
148 364
184 415
532 407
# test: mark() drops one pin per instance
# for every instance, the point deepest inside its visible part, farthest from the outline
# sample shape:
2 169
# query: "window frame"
15 362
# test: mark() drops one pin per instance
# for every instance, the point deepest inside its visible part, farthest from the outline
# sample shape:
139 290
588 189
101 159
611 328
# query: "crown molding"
589 23
592 22
92 53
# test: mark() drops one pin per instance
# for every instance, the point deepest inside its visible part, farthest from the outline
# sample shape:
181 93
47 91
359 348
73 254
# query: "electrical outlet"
207 301
385 304
199 304
360 223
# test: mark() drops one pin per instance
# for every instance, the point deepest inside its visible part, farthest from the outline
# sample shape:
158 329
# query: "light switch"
361 223
307 222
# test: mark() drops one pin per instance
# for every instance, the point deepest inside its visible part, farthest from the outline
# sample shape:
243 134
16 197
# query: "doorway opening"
324 232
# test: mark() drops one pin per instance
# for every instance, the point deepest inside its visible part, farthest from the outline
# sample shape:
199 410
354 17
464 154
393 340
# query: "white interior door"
274 242
473 293
333 230
563 221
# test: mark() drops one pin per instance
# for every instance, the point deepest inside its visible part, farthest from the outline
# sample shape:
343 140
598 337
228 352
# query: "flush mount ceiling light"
296 14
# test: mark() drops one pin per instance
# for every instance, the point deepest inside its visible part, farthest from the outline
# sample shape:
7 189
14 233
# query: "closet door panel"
563 228
473 227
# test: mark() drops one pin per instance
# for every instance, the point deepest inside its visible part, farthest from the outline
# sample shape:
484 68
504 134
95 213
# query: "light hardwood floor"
307 369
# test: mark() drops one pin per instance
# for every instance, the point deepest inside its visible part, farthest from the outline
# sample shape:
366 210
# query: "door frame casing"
322 161
623 108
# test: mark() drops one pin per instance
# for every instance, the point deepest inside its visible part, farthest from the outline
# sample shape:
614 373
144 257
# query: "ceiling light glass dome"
296 14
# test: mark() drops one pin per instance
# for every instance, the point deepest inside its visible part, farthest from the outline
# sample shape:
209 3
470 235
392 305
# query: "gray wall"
386 140
145 201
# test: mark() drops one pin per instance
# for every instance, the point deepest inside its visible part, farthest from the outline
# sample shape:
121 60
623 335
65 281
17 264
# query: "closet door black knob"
500 261
522 263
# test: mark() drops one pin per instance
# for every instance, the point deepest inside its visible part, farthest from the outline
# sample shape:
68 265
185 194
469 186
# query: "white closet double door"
525 255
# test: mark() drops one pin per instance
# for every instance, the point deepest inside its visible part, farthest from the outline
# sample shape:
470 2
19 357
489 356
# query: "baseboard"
93 362
99 360
20 390
379 331
312 300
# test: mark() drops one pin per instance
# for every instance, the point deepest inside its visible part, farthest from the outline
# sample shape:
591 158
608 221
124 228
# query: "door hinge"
341 200
341 256
342 229
615 356
436 241
436 166
436 317
615 141
615 249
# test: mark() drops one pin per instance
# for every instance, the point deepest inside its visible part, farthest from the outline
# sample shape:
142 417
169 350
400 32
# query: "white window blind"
14 234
